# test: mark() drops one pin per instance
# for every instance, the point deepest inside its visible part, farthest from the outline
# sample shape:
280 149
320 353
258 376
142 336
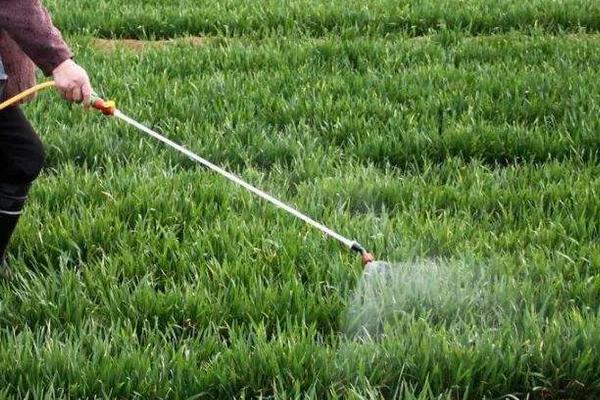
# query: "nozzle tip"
367 258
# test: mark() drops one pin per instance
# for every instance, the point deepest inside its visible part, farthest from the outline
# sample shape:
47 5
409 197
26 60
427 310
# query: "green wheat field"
459 139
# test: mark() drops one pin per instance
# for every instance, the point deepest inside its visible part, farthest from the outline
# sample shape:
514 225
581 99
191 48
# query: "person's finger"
75 94
67 94
66 88
86 92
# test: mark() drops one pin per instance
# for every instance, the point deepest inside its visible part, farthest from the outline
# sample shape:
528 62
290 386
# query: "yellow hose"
26 93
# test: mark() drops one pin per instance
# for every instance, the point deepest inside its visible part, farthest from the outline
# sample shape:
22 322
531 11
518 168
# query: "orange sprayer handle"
106 107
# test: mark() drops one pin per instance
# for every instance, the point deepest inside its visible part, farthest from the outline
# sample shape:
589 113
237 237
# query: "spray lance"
109 108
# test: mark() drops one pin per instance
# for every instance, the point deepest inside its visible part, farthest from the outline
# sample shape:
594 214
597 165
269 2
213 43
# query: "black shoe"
12 200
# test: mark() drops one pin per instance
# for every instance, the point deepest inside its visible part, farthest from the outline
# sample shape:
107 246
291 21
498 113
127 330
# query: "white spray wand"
109 108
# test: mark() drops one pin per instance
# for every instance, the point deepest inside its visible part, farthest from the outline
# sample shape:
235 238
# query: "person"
28 38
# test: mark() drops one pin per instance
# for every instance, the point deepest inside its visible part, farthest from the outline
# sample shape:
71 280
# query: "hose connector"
105 107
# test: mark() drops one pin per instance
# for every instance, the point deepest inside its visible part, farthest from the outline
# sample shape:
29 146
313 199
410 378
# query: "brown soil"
140 45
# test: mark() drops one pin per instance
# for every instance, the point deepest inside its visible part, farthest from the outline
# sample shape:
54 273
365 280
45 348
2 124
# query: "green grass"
143 18
473 142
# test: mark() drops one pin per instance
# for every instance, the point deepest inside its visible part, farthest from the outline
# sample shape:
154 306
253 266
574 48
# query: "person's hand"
72 82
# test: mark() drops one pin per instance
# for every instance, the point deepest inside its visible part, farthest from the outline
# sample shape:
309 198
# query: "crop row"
142 18
399 103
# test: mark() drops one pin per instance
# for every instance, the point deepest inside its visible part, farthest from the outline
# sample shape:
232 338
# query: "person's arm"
27 22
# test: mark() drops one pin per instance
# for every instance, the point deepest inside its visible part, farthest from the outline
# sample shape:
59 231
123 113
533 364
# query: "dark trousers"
21 159
21 151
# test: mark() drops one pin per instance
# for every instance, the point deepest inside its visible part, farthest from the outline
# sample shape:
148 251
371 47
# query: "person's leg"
21 160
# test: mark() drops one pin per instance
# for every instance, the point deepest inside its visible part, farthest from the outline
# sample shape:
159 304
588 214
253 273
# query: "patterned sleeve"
28 23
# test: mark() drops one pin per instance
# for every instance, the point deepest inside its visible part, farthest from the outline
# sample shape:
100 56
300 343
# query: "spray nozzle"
367 258
365 255
105 107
